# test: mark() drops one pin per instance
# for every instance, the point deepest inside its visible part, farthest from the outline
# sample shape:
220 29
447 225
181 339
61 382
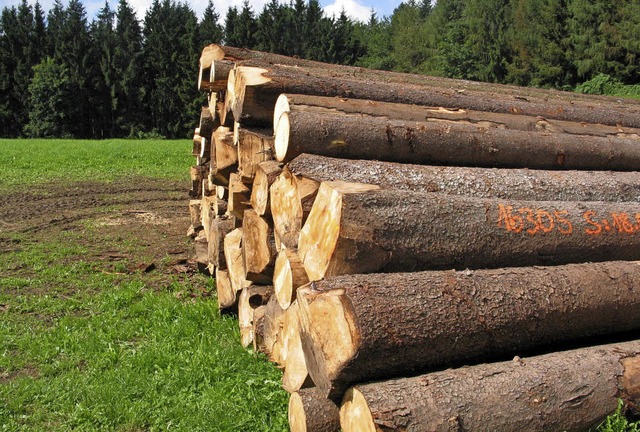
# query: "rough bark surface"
521 184
330 133
269 81
309 411
401 324
417 113
390 230
568 391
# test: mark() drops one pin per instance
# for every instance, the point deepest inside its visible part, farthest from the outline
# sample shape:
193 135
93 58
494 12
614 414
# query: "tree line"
63 75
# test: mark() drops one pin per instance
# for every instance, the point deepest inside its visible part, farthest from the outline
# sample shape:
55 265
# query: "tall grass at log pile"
86 349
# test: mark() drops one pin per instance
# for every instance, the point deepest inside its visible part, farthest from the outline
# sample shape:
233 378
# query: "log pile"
381 235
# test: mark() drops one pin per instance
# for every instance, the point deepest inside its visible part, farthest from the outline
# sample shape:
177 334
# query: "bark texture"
400 324
388 230
359 136
309 411
520 184
565 391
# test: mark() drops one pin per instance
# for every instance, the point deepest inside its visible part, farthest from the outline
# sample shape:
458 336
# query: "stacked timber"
392 241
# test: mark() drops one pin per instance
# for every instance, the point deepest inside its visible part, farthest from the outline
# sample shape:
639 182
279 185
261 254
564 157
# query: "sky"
356 9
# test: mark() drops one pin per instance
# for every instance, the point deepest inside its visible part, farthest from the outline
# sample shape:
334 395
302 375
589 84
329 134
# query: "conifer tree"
210 30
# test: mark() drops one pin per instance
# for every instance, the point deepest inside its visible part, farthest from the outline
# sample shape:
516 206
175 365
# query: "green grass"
88 345
31 161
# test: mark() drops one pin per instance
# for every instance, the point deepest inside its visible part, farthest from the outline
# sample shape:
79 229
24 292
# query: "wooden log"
564 391
202 248
332 133
208 123
195 212
309 411
233 259
295 374
289 275
271 332
416 113
239 196
360 328
197 174
355 228
254 147
291 201
243 56
259 247
220 227
249 300
197 143
520 184
258 85
226 152
258 329
266 173
227 297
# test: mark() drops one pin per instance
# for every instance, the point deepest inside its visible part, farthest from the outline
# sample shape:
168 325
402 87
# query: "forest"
64 74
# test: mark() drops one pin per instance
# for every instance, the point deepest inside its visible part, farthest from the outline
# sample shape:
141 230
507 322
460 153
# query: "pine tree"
103 83
210 30
241 28
128 71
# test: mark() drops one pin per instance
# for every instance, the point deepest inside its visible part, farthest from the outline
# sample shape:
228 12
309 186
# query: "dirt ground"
131 225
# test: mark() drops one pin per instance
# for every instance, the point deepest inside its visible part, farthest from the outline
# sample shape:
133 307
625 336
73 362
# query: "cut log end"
282 132
309 411
295 368
320 234
226 294
289 275
355 415
297 416
331 328
282 106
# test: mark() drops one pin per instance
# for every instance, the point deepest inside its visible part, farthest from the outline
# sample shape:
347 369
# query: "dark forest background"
63 75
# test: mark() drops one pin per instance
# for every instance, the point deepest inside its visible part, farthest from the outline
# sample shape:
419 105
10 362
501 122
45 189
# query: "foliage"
606 85
617 422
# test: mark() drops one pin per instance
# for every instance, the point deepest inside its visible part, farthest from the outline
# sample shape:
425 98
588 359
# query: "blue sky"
357 9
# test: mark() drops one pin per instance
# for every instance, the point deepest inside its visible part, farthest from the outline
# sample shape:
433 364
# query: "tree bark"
260 83
266 173
296 102
361 328
289 275
354 228
309 411
259 247
565 391
359 136
291 202
519 184
254 147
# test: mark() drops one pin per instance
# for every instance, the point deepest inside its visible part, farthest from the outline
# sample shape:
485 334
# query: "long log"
520 184
295 102
311 412
564 391
258 86
243 56
266 173
259 247
360 328
359 136
355 228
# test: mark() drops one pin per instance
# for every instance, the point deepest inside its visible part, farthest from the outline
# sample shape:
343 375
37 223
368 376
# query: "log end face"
282 106
297 417
282 280
282 133
355 415
630 382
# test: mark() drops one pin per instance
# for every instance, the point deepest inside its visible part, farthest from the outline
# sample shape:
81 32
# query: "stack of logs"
376 232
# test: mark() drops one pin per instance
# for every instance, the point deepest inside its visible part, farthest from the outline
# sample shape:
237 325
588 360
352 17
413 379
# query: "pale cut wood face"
355 415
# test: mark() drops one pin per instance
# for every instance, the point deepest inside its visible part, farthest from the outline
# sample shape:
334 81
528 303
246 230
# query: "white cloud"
352 8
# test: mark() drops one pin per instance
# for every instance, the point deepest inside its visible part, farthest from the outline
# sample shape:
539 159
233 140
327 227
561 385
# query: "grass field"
89 338
104 324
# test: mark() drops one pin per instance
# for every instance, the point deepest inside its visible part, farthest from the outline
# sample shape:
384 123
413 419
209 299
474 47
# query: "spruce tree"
209 29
